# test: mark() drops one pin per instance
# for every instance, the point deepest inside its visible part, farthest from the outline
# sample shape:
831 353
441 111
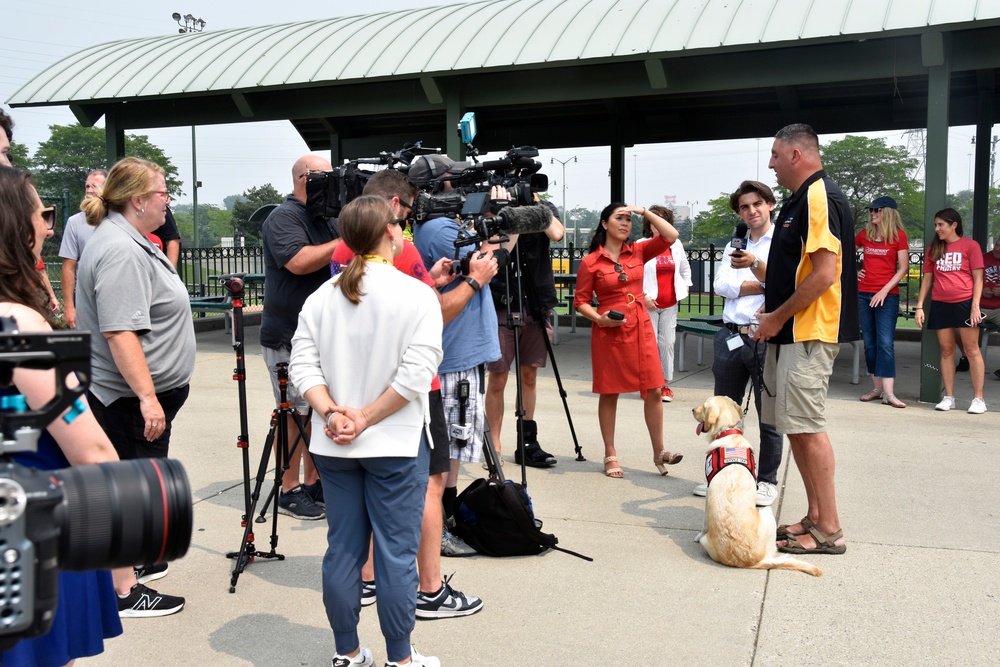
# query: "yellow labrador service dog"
737 533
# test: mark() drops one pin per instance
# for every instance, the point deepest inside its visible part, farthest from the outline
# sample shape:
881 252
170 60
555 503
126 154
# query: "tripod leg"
248 551
562 391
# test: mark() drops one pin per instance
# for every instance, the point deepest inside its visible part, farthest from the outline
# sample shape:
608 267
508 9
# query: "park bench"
707 327
218 304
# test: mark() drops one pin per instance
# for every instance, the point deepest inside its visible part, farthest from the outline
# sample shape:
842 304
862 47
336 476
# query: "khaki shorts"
796 380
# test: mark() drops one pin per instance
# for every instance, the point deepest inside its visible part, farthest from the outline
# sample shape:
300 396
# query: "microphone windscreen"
525 219
739 241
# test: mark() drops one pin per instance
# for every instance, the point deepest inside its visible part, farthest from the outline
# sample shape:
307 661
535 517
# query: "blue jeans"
878 328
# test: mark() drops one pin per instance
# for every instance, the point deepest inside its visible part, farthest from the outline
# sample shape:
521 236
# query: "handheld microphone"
739 241
524 219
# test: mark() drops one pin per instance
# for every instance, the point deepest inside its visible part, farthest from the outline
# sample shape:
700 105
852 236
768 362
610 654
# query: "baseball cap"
426 168
883 202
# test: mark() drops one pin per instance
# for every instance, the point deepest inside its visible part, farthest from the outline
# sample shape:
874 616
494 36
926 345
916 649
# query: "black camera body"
80 518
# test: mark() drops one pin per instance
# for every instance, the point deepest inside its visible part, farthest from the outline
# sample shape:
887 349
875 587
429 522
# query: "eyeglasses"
162 193
621 272
49 215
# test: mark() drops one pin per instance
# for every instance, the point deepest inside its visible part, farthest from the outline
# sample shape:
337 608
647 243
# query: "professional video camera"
81 518
327 192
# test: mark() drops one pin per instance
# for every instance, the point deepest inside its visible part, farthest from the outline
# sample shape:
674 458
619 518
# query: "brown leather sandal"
666 458
783 534
825 544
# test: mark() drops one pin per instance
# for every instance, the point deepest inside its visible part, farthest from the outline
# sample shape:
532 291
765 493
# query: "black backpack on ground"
495 518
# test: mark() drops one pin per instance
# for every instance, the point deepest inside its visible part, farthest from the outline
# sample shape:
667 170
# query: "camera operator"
536 303
297 253
469 340
87 611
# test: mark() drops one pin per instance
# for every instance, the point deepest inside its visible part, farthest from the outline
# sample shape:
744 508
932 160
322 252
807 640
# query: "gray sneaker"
701 490
446 603
417 660
455 547
766 494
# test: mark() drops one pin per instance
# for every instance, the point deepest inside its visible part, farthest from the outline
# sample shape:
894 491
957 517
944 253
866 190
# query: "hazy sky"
232 158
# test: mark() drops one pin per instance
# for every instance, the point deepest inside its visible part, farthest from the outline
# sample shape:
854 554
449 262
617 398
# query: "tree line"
865 168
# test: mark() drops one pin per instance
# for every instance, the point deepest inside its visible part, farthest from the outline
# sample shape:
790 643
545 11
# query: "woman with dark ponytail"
367 346
624 353
954 266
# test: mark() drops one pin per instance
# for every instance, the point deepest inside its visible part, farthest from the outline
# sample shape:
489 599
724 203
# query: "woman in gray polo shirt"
128 291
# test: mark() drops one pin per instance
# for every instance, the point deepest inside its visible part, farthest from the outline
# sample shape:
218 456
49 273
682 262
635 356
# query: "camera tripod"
278 433
515 301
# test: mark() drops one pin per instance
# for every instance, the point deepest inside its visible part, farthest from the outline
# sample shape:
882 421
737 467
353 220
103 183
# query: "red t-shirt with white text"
953 272
880 261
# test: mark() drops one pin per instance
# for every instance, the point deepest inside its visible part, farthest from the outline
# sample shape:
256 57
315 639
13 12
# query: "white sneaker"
766 494
977 407
947 403
701 490
418 660
362 659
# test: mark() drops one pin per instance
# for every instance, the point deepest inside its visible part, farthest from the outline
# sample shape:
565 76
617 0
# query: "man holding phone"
737 357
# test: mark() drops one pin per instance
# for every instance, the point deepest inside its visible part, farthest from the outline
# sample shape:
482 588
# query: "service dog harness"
721 457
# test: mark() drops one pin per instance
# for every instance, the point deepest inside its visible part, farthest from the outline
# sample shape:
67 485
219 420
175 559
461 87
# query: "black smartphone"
616 315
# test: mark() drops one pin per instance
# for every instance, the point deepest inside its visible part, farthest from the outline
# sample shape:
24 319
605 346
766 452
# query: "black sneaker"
315 492
144 602
536 456
447 603
963 365
148 573
997 373
297 504
368 595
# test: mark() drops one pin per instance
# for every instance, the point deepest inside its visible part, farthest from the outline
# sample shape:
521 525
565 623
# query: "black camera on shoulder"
81 518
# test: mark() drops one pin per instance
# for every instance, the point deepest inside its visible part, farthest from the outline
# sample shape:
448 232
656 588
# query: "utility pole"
564 220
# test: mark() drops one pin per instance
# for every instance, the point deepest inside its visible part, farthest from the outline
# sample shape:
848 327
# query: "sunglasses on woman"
621 272
49 215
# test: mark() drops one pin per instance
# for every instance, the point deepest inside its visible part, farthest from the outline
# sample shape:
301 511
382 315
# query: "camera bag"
496 519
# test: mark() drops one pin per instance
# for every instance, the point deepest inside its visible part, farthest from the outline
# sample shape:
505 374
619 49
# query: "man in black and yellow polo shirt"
810 307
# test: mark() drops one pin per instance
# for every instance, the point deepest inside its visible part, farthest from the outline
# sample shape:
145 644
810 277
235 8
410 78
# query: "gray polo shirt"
124 283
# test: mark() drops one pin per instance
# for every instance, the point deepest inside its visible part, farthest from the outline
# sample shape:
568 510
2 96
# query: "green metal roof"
495 35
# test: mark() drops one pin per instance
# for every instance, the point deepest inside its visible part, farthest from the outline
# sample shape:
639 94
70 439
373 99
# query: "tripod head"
235 283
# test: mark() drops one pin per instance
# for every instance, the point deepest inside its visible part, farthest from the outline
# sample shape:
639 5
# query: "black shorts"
949 315
440 461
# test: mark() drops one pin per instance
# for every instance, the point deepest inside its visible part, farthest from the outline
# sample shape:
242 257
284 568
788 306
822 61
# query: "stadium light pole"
564 163
189 24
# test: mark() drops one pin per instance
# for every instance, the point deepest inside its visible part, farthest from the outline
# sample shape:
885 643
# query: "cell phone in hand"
616 315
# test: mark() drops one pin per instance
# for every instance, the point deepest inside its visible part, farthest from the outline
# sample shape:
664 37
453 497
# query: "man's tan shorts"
796 380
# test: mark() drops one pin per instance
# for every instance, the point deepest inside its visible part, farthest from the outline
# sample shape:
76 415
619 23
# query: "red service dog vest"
718 459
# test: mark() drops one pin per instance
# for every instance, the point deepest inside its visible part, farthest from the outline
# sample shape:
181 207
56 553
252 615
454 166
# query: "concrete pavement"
917 586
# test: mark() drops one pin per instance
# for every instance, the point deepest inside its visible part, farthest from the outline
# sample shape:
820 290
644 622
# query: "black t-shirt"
536 276
817 216
286 231
168 230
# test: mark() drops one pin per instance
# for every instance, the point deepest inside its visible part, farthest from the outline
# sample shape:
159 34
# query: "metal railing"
196 265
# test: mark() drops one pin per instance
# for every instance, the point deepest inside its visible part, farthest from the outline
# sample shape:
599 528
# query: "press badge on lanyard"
734 342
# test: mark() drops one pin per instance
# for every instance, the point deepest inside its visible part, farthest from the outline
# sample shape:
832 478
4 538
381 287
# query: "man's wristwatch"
473 283
755 264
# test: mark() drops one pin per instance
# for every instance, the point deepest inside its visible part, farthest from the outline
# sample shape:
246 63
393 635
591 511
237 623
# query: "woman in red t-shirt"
954 265
884 246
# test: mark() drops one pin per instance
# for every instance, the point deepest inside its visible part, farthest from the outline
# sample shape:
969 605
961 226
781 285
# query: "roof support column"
984 145
935 56
452 116
114 136
335 149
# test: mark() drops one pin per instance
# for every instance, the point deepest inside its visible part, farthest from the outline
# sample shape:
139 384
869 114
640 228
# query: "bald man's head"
301 169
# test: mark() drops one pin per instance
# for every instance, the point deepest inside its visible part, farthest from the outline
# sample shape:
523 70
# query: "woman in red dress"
624 355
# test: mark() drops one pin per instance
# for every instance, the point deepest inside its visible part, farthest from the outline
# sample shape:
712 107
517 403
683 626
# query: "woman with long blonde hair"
885 248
